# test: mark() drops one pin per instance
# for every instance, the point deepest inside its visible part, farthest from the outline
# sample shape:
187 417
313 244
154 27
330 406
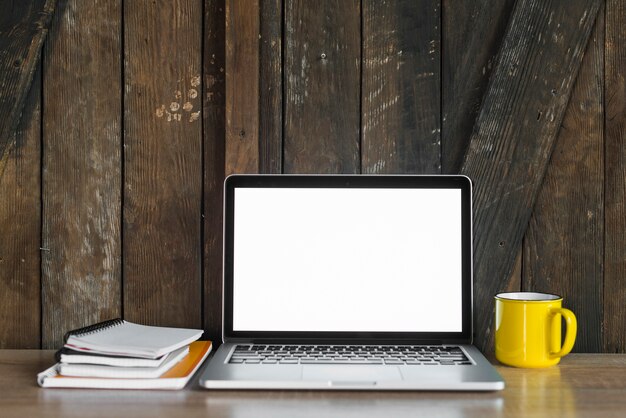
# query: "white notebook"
122 338
67 356
91 370
175 378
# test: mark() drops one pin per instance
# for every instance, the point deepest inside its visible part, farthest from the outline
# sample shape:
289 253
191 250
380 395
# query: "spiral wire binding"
92 329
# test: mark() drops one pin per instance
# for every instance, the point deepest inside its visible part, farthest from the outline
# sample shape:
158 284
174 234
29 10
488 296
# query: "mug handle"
570 332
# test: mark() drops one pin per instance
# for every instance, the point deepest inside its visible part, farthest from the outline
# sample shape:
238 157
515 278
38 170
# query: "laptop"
348 282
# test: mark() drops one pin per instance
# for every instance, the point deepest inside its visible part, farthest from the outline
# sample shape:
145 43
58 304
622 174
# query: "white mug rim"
528 296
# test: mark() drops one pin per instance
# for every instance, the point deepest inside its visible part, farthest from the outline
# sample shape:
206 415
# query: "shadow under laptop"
248 404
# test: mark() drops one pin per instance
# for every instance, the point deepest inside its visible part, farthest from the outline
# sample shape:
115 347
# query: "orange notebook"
175 378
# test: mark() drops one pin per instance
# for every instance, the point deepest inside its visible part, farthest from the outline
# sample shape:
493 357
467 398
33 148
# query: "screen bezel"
348 181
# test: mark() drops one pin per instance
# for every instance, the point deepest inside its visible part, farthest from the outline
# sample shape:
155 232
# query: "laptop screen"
347 258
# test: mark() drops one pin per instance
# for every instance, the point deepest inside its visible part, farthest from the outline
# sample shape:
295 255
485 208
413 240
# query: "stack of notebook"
120 354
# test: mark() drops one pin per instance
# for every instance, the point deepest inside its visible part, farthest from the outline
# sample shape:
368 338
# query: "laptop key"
247 358
235 356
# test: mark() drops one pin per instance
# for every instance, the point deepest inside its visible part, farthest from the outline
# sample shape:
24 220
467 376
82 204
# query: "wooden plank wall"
322 64
162 164
111 203
81 169
214 101
400 87
20 227
614 295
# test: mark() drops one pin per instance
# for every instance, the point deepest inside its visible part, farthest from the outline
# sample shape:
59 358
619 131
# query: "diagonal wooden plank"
563 246
515 132
23 28
472 32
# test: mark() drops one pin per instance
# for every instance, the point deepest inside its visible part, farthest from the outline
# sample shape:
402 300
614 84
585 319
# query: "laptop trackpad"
338 374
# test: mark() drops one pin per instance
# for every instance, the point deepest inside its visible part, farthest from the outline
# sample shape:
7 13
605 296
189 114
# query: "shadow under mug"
528 329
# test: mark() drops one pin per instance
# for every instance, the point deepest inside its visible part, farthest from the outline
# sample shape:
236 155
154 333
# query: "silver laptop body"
348 282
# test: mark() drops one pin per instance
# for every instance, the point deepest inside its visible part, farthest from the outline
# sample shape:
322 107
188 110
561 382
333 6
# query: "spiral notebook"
117 337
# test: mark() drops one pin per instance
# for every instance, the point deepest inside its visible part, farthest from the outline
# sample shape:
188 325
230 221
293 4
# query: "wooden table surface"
582 385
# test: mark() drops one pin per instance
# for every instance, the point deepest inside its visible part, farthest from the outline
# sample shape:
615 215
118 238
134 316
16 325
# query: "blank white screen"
370 260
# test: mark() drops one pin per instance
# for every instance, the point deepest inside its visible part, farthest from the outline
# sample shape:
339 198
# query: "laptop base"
480 376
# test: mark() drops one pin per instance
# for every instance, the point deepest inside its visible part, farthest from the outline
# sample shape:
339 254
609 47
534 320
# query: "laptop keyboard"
351 354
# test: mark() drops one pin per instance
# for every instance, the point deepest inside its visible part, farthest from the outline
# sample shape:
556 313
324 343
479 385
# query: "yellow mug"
528 329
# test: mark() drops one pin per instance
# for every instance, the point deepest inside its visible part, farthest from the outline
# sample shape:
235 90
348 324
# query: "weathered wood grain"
242 86
23 28
20 227
214 136
271 87
81 278
163 162
322 70
472 32
323 107
615 179
400 97
563 246
515 132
